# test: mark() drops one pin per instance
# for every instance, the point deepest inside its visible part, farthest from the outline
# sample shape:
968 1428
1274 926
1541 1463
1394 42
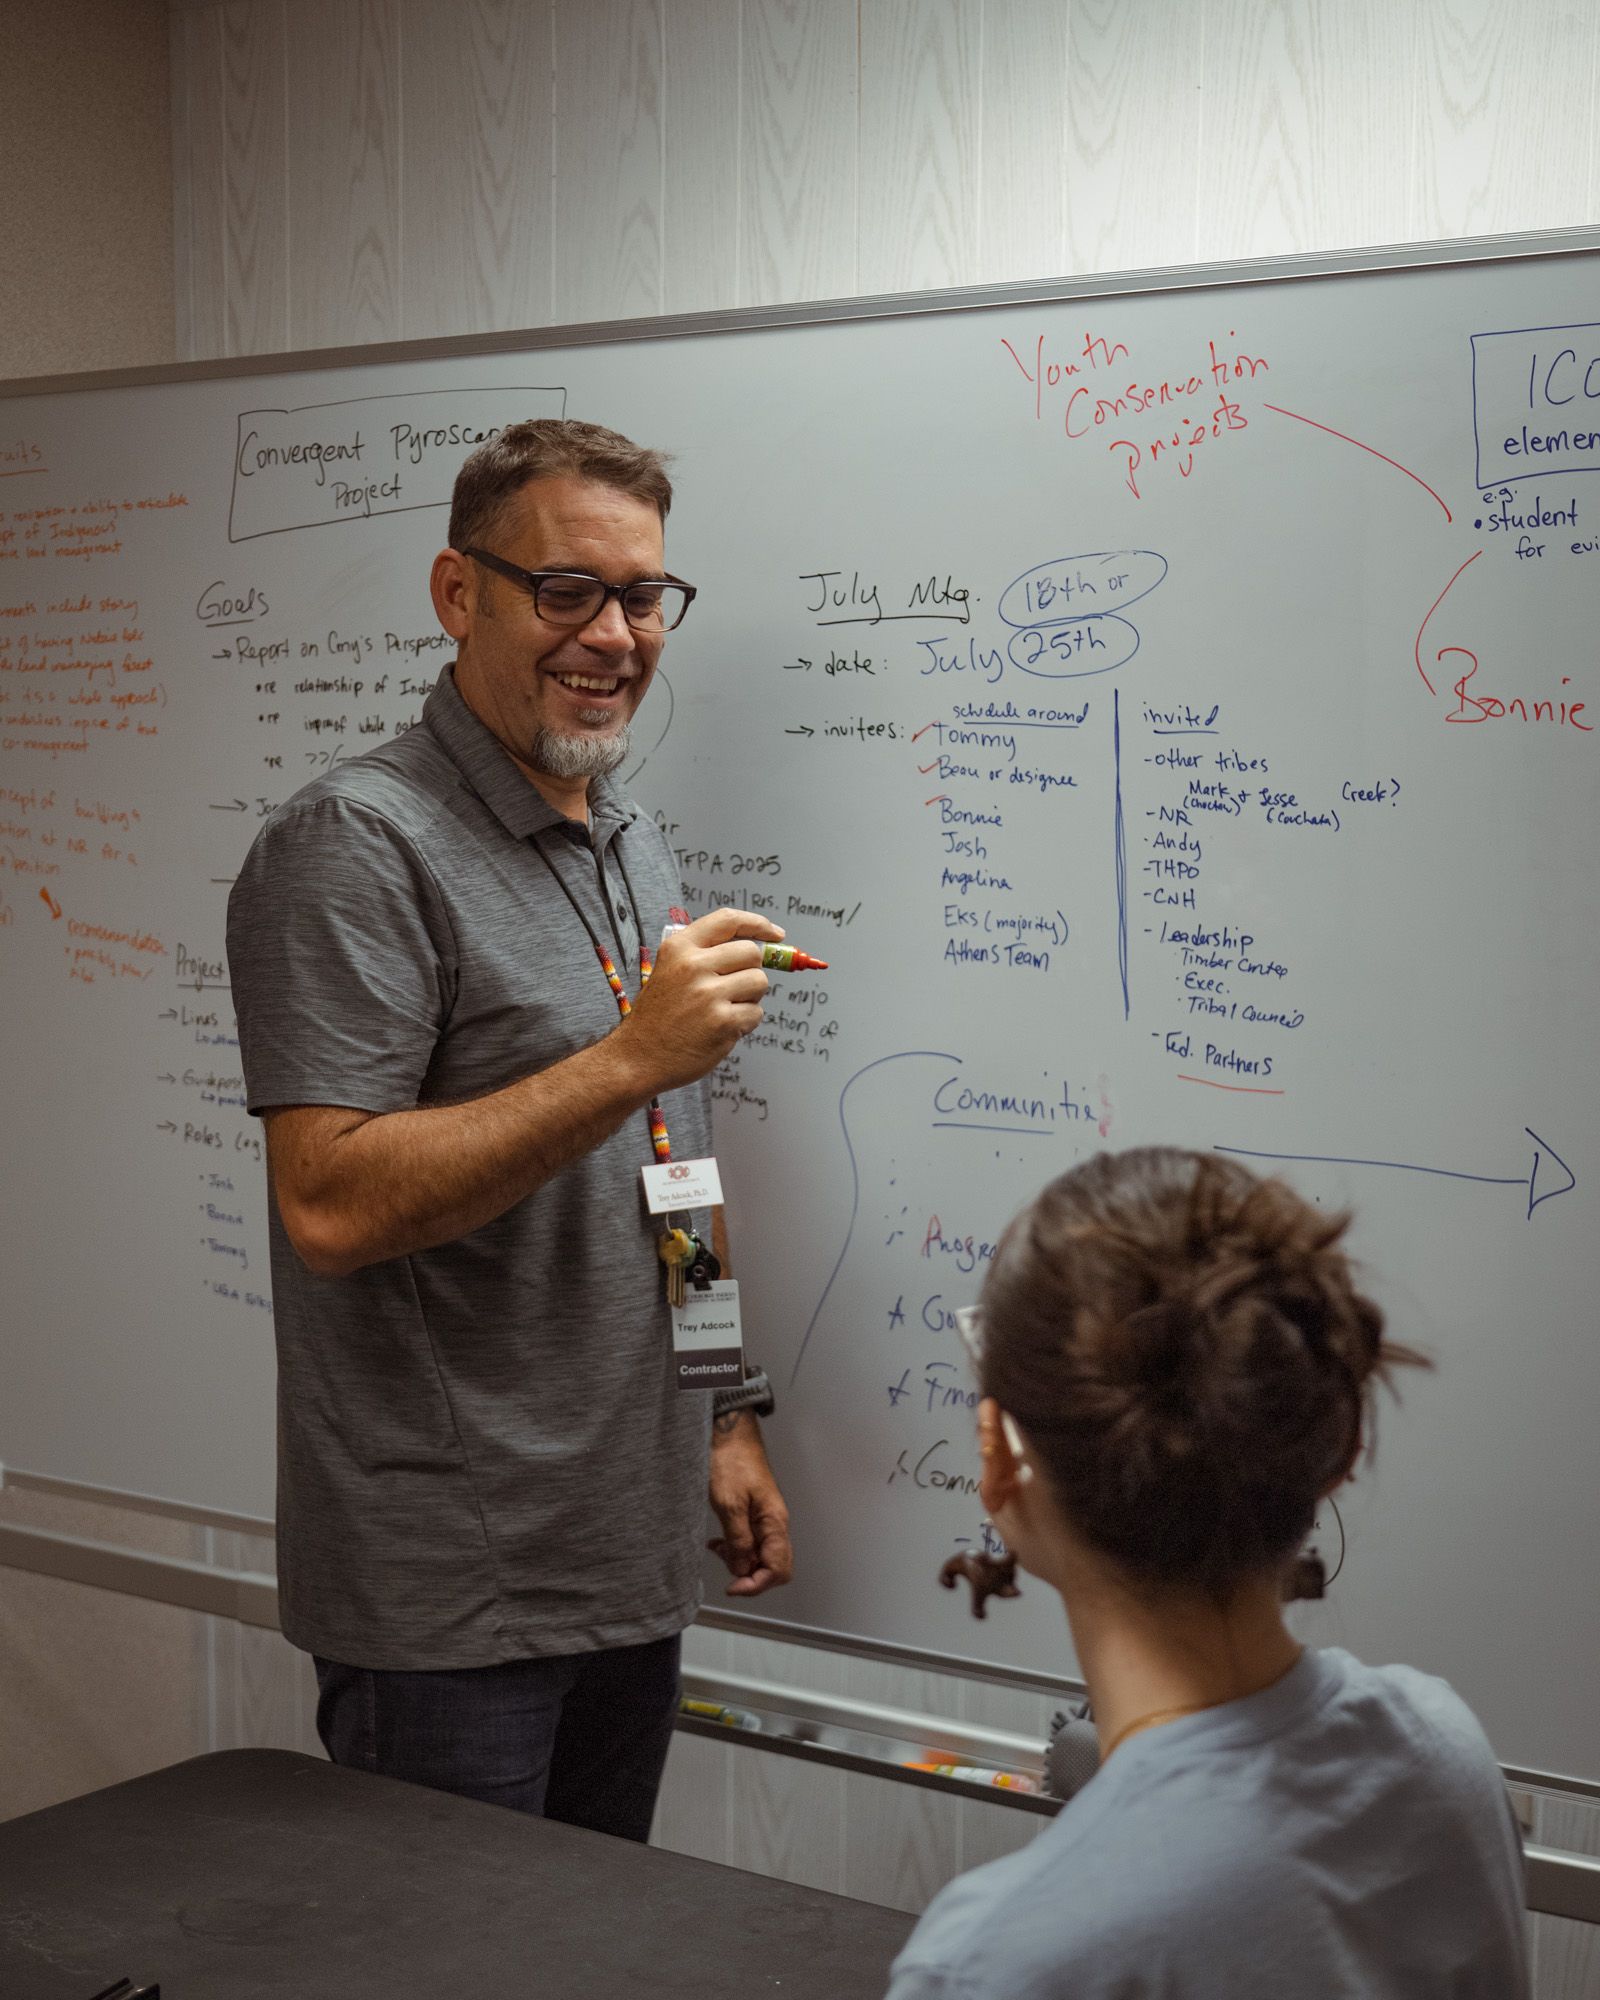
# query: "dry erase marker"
789 958
1010 1781
713 1711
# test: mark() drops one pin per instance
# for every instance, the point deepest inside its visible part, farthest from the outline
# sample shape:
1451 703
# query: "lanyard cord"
659 1140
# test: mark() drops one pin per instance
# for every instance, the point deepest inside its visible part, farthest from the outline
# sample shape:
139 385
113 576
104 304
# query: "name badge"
707 1346
682 1184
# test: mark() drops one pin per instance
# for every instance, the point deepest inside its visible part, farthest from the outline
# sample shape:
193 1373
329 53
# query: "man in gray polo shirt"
491 1487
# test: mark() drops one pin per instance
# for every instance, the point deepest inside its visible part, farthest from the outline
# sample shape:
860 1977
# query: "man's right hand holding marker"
705 992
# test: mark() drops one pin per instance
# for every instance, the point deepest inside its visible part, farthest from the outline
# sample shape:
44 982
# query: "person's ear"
1005 1464
451 585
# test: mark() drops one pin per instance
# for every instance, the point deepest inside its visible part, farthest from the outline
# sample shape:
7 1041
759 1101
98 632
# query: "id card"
707 1347
678 1184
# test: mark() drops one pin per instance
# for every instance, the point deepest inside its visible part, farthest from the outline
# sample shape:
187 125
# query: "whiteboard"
1167 706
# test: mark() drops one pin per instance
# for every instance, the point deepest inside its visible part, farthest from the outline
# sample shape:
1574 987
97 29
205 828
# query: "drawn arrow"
1345 437
235 806
1416 651
166 1125
801 666
50 903
804 730
1547 1162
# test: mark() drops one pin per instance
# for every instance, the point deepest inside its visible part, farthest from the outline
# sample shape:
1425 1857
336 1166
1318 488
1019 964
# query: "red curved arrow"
1359 447
1432 608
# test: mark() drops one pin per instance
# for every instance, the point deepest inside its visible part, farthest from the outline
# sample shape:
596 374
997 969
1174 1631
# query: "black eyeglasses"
573 597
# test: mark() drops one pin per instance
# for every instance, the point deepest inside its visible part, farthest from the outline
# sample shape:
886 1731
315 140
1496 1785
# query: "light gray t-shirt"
483 1453
1345 1835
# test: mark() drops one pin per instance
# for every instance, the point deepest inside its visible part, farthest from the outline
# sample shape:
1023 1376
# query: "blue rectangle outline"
1501 333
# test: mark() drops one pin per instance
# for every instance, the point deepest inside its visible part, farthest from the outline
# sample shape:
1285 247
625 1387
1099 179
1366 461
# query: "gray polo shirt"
1344 1835
482 1452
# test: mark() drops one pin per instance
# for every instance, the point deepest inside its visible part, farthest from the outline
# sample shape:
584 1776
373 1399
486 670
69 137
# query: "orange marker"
789 958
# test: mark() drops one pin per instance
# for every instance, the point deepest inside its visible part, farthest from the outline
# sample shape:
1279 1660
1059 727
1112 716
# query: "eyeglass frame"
969 1325
530 579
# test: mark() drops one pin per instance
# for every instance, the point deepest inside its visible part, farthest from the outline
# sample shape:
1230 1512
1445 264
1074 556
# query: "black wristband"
754 1394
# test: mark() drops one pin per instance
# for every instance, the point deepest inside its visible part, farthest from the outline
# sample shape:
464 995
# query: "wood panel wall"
354 170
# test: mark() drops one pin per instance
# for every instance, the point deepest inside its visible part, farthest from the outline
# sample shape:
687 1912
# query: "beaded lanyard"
658 1122
657 1117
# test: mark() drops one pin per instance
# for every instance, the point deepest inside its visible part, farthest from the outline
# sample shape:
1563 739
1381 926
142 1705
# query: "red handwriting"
1221 372
1507 708
1096 351
1227 416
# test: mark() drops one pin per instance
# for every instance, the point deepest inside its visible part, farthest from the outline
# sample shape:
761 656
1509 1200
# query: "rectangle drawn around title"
347 461
1536 402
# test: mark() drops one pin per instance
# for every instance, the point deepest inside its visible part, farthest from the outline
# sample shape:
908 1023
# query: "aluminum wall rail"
246 1595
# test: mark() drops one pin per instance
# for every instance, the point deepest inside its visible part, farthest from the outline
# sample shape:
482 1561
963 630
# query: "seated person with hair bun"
1176 1368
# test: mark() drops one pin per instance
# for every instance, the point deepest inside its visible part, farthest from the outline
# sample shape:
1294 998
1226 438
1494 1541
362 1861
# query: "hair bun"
1185 1343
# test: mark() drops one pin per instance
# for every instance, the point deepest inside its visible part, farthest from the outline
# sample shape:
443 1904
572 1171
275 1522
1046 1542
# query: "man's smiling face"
559 698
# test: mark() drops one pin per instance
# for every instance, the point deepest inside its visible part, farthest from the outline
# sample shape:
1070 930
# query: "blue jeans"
580 1737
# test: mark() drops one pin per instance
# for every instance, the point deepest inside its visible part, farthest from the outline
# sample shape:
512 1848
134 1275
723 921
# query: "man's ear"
451 584
1005 1466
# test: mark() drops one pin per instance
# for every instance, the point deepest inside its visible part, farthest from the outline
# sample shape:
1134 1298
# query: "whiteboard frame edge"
1361 261
754 1625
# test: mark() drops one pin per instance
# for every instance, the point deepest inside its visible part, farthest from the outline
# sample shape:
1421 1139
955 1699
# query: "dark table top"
265 1875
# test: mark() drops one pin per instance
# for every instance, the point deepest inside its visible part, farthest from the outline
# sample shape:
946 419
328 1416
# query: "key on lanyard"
677 1249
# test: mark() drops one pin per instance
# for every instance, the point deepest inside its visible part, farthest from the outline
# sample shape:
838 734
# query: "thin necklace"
1149 1722
1191 1708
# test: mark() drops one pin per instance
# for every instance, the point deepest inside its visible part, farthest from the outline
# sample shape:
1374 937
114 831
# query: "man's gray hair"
542 448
